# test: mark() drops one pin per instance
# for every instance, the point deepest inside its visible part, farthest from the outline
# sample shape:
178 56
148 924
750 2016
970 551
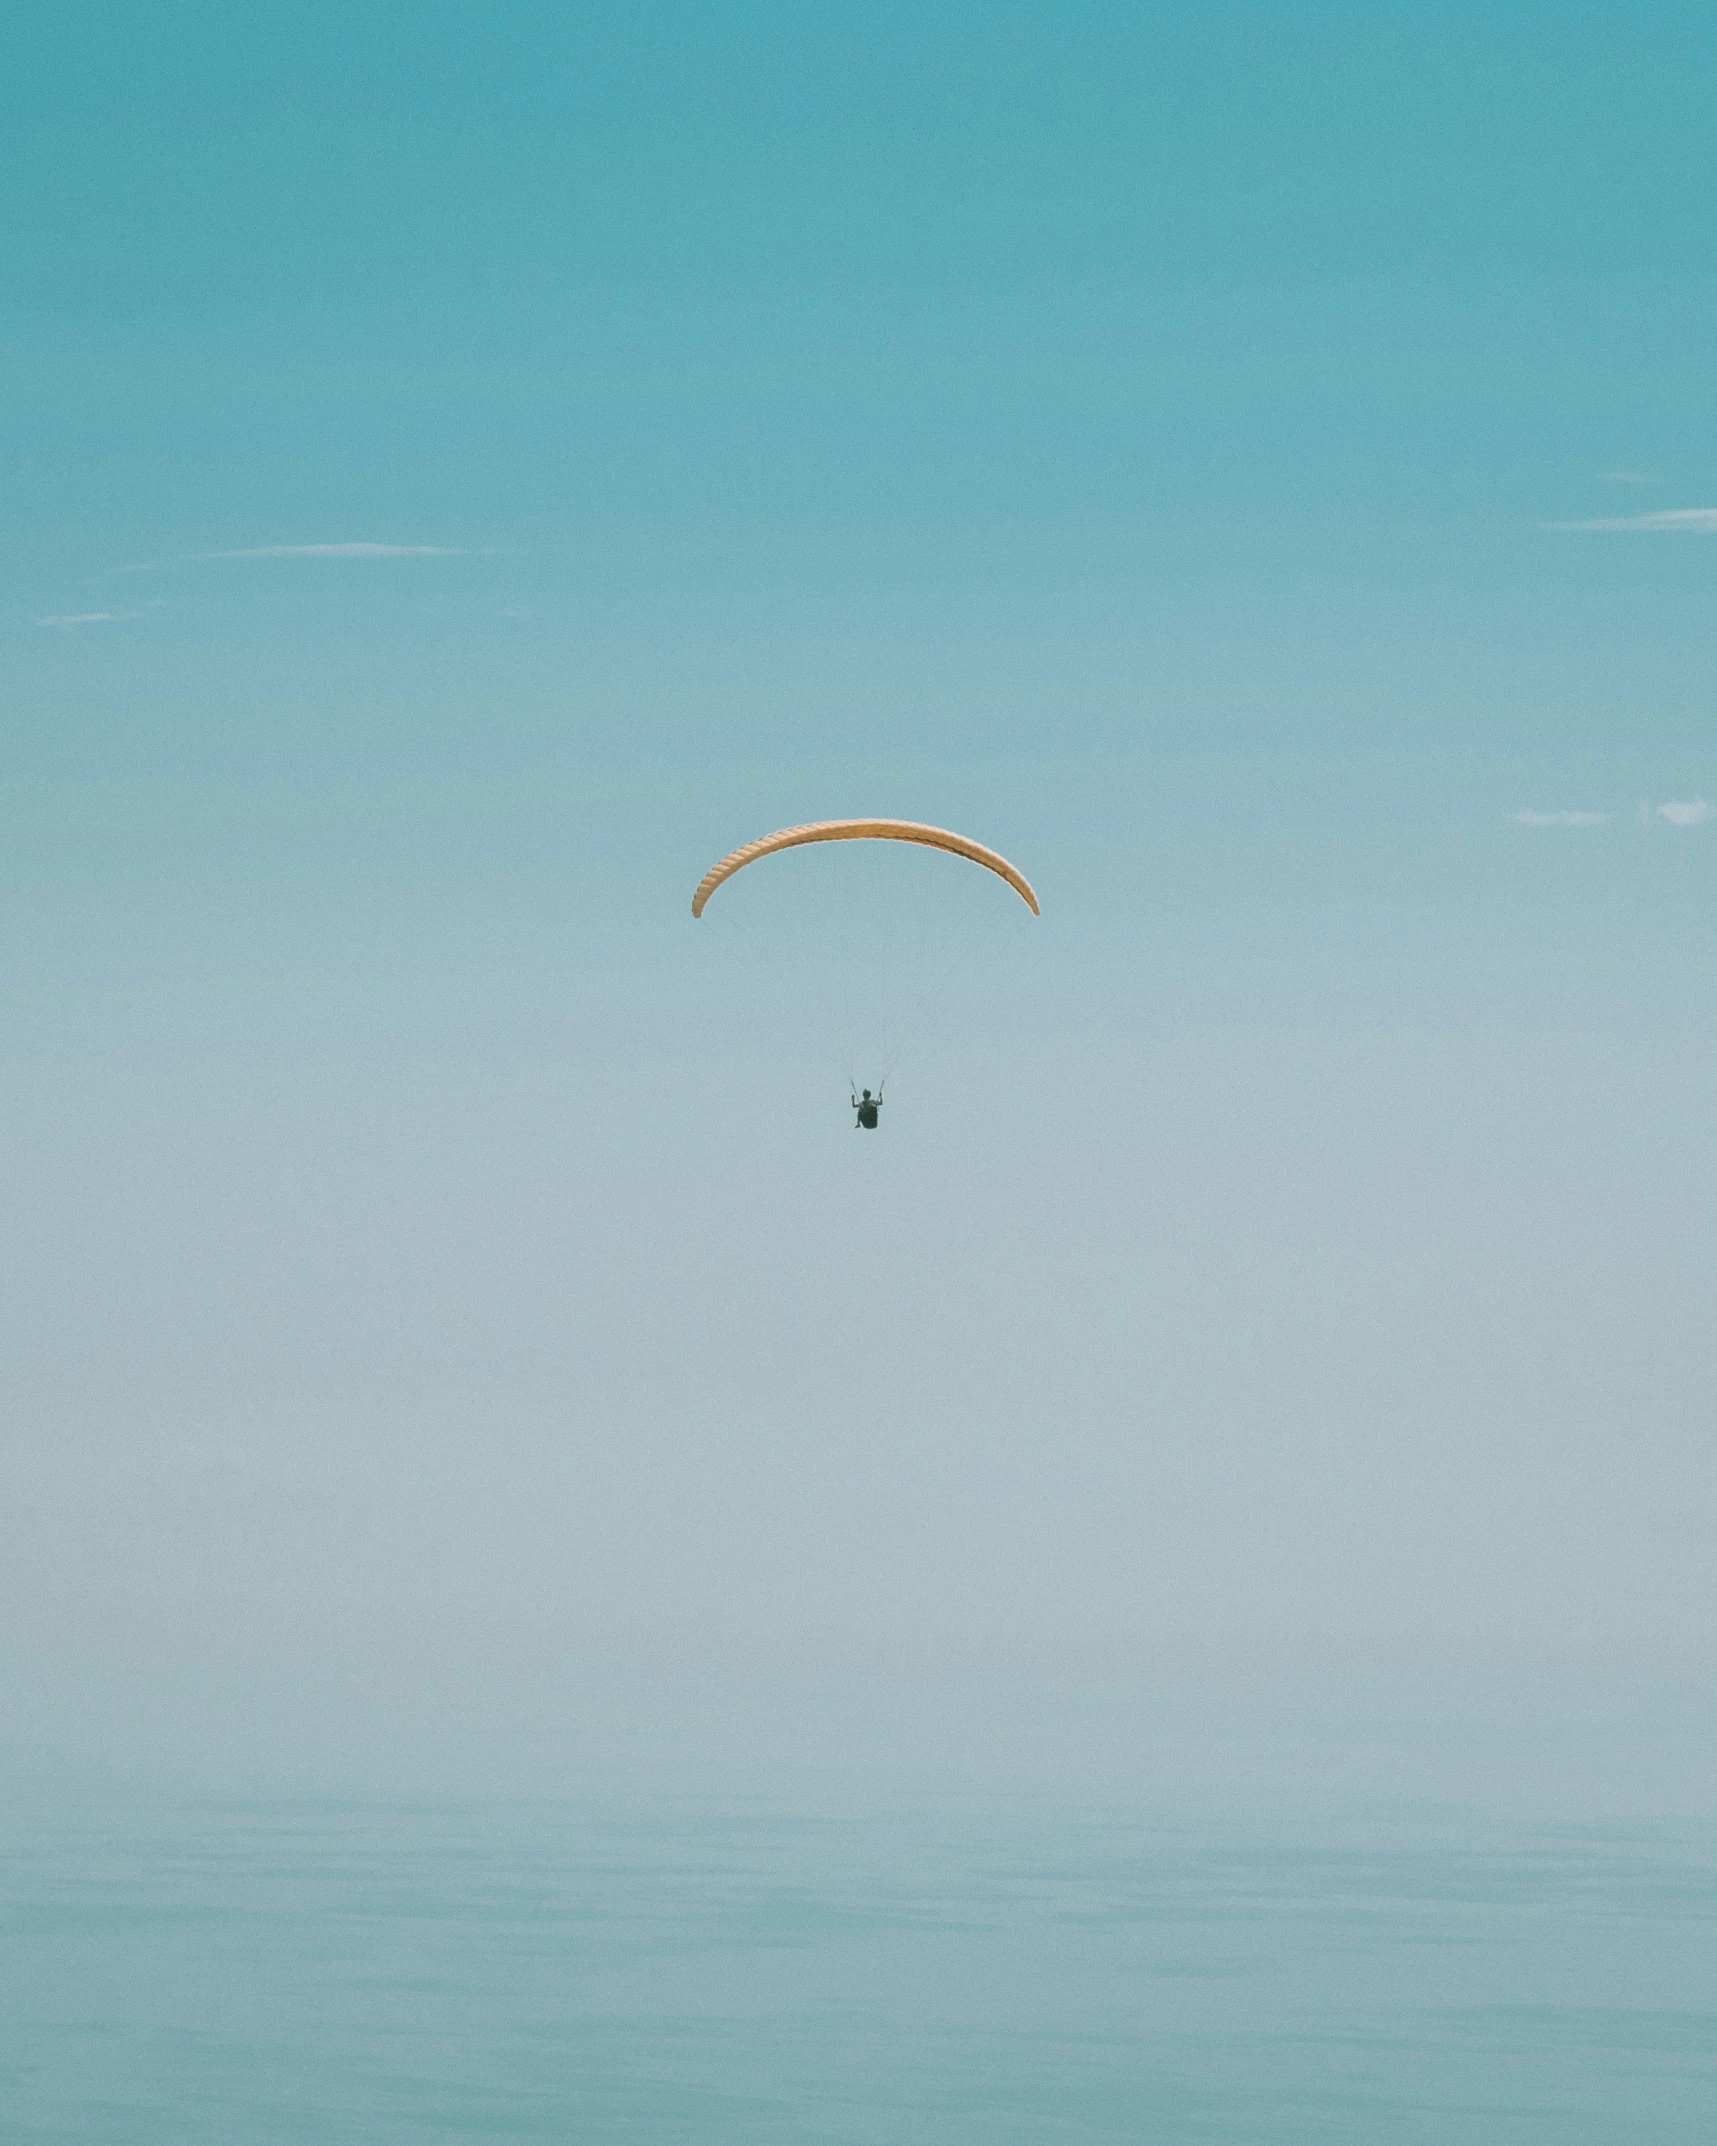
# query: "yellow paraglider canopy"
863 831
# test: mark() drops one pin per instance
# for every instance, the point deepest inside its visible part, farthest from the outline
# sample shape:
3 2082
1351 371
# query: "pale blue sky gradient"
1142 435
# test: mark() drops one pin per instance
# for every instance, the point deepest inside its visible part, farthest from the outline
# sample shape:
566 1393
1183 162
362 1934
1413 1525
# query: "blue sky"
467 468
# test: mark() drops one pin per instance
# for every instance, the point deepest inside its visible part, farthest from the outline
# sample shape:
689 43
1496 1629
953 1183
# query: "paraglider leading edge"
864 831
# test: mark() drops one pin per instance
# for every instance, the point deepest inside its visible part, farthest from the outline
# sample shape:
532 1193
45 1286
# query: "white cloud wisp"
1689 521
1685 812
338 551
92 618
355 550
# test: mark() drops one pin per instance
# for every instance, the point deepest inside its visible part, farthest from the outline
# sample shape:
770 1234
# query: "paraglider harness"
867 1107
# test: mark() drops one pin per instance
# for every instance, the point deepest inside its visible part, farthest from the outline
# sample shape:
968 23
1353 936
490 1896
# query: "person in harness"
867 1106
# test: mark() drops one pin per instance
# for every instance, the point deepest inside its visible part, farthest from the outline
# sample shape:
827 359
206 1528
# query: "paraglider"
868 1105
863 831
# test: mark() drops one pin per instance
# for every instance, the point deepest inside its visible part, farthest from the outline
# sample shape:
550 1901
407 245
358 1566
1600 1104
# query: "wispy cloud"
1629 476
1685 812
1690 521
340 551
314 551
92 618
1526 817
